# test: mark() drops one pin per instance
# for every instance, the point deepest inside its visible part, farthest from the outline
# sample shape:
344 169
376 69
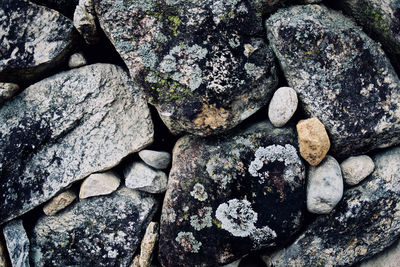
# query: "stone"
364 223
60 202
3 259
66 7
203 64
77 60
233 264
98 184
282 106
356 169
341 76
313 140
17 243
156 159
144 178
324 186
85 21
104 231
387 258
232 194
64 128
35 40
147 246
7 91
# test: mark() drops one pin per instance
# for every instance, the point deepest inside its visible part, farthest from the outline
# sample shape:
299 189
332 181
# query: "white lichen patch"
199 192
168 215
220 169
202 219
188 242
262 237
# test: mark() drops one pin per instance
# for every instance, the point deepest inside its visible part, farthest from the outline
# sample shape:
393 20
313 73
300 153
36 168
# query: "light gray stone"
85 21
59 202
17 243
98 184
77 60
142 177
282 106
7 91
355 169
388 258
156 159
64 128
324 186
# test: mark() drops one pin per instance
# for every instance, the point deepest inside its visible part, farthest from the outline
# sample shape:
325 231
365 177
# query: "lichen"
202 219
188 242
198 192
212 117
147 55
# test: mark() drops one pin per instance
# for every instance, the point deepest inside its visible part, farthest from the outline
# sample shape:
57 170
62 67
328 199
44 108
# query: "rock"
59 202
356 169
64 128
66 7
35 40
85 22
388 258
17 243
104 231
202 64
7 91
142 177
231 194
282 106
156 159
324 186
364 223
77 60
342 77
99 184
313 140
233 264
3 259
147 246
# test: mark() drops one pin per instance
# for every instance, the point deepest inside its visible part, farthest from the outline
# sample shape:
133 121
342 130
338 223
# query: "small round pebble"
77 60
156 159
282 106
356 169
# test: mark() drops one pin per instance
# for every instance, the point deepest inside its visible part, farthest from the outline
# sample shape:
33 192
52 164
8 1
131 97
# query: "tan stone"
3 262
98 184
147 246
59 202
313 140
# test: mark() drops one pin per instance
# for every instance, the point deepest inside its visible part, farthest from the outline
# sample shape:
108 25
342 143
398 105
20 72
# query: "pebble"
282 106
156 159
17 243
59 202
313 140
77 60
142 177
356 169
7 90
98 184
147 246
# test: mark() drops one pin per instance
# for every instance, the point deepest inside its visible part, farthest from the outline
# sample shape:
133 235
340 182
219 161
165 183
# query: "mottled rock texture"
388 258
230 195
66 7
59 202
356 169
85 21
99 231
365 222
342 77
203 64
34 40
17 243
64 128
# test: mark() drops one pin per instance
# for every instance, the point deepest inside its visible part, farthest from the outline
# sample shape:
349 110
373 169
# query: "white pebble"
356 169
282 106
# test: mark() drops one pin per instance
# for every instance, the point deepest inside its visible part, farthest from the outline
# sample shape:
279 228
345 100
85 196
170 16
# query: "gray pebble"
282 106
156 159
356 169
144 178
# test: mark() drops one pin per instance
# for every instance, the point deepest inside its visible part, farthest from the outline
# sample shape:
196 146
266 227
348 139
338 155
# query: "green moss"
378 22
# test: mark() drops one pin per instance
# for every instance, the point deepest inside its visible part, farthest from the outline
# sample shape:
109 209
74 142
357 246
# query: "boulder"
144 178
17 243
64 128
98 184
156 159
356 169
59 202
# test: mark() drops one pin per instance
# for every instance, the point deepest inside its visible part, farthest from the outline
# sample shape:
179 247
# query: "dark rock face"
99 231
364 223
203 64
231 195
17 243
34 40
64 128
341 76
66 7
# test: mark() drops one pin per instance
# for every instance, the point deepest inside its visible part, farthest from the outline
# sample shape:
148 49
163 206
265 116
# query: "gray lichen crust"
201 63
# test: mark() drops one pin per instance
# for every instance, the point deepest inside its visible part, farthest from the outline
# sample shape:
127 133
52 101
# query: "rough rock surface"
59 202
64 128
66 7
3 260
356 169
98 184
230 195
388 258
77 60
17 243
364 223
342 77
324 186
34 40
7 91
203 64
93 232
156 159
147 246
144 178
85 21
282 106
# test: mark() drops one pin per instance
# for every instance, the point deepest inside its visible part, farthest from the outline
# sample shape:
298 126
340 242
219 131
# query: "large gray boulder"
34 40
64 128
342 77
100 231
203 64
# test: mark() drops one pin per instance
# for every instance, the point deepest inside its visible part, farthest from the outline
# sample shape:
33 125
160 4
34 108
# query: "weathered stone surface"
388 258
342 77
356 169
203 64
147 246
34 40
313 140
156 159
230 195
17 243
282 106
77 60
7 91
98 184
365 222
59 202
64 128
85 21
103 231
66 7
3 260
324 186
144 178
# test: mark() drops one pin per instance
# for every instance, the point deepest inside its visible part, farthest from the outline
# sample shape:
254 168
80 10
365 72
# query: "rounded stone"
77 60
356 169
282 106
99 184
156 159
